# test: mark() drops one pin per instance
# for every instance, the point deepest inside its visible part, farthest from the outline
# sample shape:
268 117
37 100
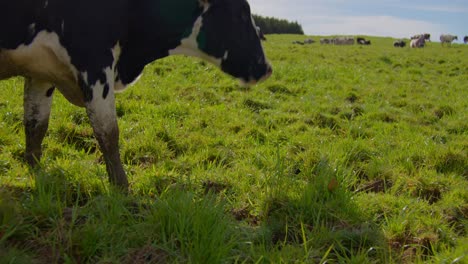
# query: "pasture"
347 154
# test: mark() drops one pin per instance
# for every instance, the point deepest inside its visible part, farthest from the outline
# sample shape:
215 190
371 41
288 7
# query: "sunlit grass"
346 154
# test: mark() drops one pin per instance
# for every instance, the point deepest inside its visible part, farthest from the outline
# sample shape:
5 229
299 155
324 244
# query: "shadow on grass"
61 220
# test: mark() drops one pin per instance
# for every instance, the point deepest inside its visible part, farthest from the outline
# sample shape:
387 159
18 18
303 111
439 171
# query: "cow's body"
447 39
427 36
362 41
343 41
90 49
325 41
418 43
399 43
338 41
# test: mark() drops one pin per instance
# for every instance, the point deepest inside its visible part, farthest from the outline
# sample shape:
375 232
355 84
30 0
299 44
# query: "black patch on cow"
15 21
85 89
242 43
105 91
153 32
30 124
50 91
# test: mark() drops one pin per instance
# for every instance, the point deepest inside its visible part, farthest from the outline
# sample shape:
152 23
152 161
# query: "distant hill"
271 25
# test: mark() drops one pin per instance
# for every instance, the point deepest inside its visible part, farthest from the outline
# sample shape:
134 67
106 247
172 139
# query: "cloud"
289 9
439 8
367 25
393 18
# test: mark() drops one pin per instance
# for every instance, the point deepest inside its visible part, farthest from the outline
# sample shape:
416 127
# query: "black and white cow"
343 41
91 49
399 43
427 36
362 41
418 43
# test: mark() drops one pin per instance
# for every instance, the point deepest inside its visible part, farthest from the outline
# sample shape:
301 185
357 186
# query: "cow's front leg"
100 106
37 103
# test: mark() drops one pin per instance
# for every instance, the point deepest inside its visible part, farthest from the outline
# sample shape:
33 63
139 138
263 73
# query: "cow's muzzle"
253 81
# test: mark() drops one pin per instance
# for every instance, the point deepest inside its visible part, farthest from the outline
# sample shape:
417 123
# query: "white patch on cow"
62 26
204 4
120 87
103 109
116 50
46 3
189 45
44 58
35 96
84 76
226 54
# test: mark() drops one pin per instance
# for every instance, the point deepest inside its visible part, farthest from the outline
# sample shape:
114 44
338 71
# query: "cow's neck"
176 16
156 27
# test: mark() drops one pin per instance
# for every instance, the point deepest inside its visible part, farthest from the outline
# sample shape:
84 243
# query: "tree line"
271 25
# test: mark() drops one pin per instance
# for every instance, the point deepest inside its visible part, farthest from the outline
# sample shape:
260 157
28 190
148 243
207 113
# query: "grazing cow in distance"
418 43
447 39
338 41
306 41
343 41
89 50
427 36
465 40
399 43
362 41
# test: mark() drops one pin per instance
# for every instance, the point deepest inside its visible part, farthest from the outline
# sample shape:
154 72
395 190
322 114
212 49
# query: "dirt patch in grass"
352 98
214 187
244 214
375 186
413 247
255 105
431 194
323 121
279 88
444 110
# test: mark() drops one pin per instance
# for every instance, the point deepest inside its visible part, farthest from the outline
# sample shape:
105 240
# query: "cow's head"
225 35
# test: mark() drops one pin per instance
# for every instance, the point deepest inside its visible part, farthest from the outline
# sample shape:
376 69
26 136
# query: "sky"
398 19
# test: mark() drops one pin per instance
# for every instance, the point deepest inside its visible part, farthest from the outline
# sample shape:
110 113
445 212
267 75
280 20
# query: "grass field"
347 154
